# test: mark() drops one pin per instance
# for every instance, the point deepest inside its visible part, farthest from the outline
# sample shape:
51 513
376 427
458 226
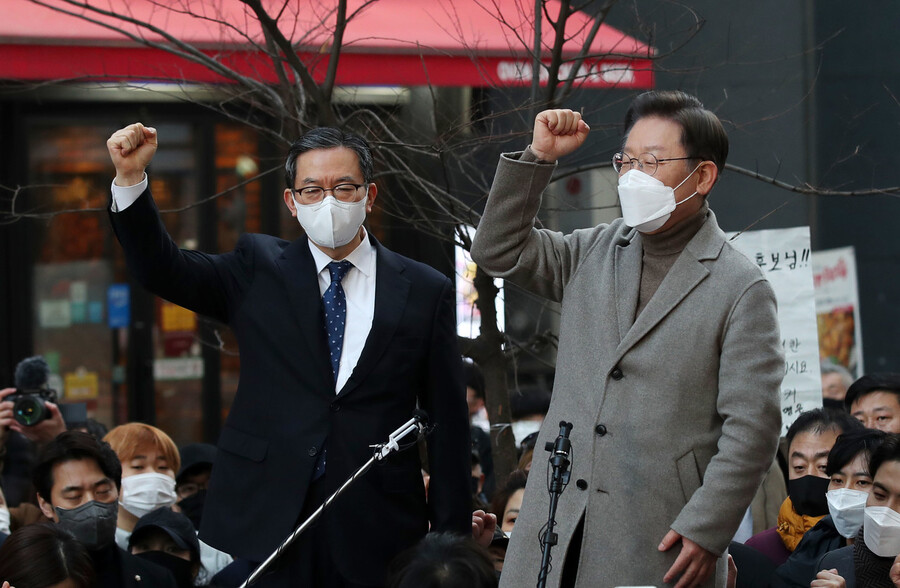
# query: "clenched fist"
557 133
131 150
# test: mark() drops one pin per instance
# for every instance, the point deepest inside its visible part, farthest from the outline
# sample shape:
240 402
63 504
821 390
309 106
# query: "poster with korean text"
783 256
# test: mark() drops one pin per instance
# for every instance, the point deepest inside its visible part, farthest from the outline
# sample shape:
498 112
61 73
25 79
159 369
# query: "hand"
6 585
6 409
46 430
131 150
483 526
558 133
694 564
732 573
895 571
831 579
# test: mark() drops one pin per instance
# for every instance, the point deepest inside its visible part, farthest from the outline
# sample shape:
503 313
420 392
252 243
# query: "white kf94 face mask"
881 531
847 507
332 223
145 492
646 202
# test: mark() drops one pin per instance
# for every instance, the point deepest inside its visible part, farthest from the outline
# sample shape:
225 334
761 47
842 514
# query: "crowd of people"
670 386
126 506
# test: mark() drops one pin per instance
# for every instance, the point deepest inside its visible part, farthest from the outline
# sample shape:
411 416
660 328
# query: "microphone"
32 373
562 446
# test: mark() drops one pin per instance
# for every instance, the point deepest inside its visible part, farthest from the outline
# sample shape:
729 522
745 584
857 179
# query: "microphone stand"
381 452
559 479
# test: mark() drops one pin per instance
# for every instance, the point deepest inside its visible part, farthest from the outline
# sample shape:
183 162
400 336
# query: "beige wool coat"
676 414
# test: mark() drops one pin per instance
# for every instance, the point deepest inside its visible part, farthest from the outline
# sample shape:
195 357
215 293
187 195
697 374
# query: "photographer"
29 410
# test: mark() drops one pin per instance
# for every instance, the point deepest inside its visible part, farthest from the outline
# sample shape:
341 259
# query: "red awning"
388 42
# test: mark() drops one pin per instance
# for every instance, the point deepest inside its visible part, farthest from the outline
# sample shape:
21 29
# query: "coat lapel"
298 270
391 294
687 271
628 265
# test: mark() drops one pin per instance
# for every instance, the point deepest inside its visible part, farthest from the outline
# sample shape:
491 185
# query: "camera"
28 405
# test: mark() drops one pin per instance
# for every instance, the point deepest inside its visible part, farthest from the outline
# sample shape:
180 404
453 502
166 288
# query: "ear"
289 201
707 175
47 509
370 199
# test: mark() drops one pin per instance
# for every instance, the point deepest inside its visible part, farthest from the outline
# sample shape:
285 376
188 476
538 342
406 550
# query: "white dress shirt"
358 284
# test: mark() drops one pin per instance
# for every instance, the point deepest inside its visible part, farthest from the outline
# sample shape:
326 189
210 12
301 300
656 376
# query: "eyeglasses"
343 192
645 162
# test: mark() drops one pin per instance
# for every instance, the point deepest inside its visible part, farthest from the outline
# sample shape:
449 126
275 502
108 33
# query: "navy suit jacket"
285 409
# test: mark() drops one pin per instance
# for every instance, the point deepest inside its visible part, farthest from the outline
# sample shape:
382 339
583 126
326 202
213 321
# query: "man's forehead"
653 133
77 472
877 397
810 443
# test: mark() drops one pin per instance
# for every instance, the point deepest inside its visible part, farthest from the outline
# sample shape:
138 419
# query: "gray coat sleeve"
751 368
507 243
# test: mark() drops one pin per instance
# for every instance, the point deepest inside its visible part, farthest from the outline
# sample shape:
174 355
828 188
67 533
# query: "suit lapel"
391 294
686 273
628 265
298 270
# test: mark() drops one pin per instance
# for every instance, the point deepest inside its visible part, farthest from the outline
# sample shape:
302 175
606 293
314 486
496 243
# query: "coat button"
335 406
600 429
582 484
617 374
312 452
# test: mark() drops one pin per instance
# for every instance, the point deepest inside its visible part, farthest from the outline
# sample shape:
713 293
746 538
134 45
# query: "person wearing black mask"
809 440
78 479
168 539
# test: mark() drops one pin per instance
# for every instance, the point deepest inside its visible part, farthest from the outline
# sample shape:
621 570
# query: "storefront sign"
118 302
178 368
81 385
783 256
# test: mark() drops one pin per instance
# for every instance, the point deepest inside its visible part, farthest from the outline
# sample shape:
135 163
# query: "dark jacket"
116 568
801 567
286 409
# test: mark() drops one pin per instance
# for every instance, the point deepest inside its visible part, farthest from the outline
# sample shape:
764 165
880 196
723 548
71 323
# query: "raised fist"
131 150
557 133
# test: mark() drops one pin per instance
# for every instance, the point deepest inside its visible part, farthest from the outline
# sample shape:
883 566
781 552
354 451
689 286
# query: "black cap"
175 524
877 382
196 454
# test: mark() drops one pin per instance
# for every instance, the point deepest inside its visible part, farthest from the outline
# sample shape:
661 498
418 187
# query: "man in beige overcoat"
669 362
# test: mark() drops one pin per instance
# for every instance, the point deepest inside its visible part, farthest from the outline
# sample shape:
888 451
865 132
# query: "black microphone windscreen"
32 373
421 415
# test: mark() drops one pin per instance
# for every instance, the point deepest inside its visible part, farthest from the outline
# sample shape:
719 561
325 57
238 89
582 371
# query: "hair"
829 367
516 481
329 138
820 420
877 382
442 560
526 458
474 378
127 439
702 133
889 450
851 444
73 446
42 555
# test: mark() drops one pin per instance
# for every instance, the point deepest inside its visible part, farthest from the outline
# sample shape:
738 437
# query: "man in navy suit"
340 339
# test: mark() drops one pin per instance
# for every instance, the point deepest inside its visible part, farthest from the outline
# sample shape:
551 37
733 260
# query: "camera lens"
29 410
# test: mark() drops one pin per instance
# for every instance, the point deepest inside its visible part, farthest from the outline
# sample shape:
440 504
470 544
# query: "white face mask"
646 202
4 520
846 507
522 429
146 492
332 223
881 531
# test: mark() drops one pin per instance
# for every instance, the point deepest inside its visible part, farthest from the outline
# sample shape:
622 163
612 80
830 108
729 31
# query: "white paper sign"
837 308
783 256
